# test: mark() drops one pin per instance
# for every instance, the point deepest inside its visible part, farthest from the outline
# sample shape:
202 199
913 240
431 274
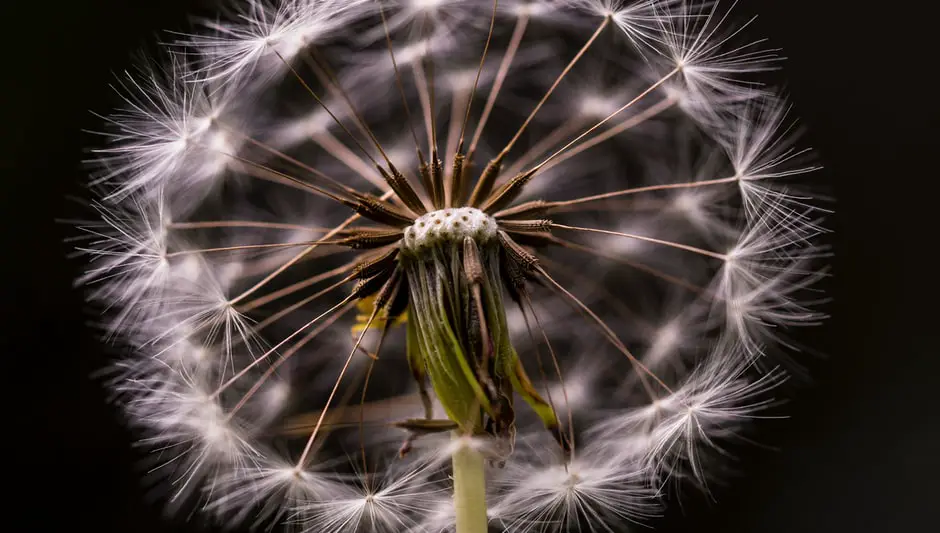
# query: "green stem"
469 490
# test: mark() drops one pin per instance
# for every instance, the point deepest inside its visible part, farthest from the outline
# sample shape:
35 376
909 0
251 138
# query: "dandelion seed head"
366 258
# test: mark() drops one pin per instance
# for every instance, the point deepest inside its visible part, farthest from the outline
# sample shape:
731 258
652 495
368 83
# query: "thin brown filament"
267 354
428 60
320 66
271 150
612 337
362 416
541 367
638 190
437 177
324 106
210 224
635 205
453 142
545 143
302 424
343 154
574 141
639 266
266 174
476 80
294 260
247 247
289 178
557 81
662 242
261 266
622 310
501 73
557 368
421 85
284 312
455 183
329 426
365 387
339 379
398 81
627 124
625 312
568 128
287 355
291 289
293 307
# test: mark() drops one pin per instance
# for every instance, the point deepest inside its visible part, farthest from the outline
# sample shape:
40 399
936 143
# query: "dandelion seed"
591 492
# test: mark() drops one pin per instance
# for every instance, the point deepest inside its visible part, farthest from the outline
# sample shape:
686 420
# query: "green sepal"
445 361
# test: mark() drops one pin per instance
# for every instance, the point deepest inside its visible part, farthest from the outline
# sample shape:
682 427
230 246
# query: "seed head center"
449 225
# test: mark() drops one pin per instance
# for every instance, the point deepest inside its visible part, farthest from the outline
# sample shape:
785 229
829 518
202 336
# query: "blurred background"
860 450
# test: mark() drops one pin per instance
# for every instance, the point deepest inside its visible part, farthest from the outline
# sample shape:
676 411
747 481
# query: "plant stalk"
469 490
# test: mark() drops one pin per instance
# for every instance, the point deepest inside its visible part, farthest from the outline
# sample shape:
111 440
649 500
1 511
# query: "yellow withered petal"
365 307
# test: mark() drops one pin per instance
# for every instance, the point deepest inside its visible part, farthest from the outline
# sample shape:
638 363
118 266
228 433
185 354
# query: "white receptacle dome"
449 225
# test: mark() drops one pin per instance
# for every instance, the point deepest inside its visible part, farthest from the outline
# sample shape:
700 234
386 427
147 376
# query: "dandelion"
437 265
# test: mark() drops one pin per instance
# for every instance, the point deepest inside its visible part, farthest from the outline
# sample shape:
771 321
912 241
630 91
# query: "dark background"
858 454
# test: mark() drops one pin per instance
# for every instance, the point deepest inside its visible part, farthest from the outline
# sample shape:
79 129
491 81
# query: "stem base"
469 489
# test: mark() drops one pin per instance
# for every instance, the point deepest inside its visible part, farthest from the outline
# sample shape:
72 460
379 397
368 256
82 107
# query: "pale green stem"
469 490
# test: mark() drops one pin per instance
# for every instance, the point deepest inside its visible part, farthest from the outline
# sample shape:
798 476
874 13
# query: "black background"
858 454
